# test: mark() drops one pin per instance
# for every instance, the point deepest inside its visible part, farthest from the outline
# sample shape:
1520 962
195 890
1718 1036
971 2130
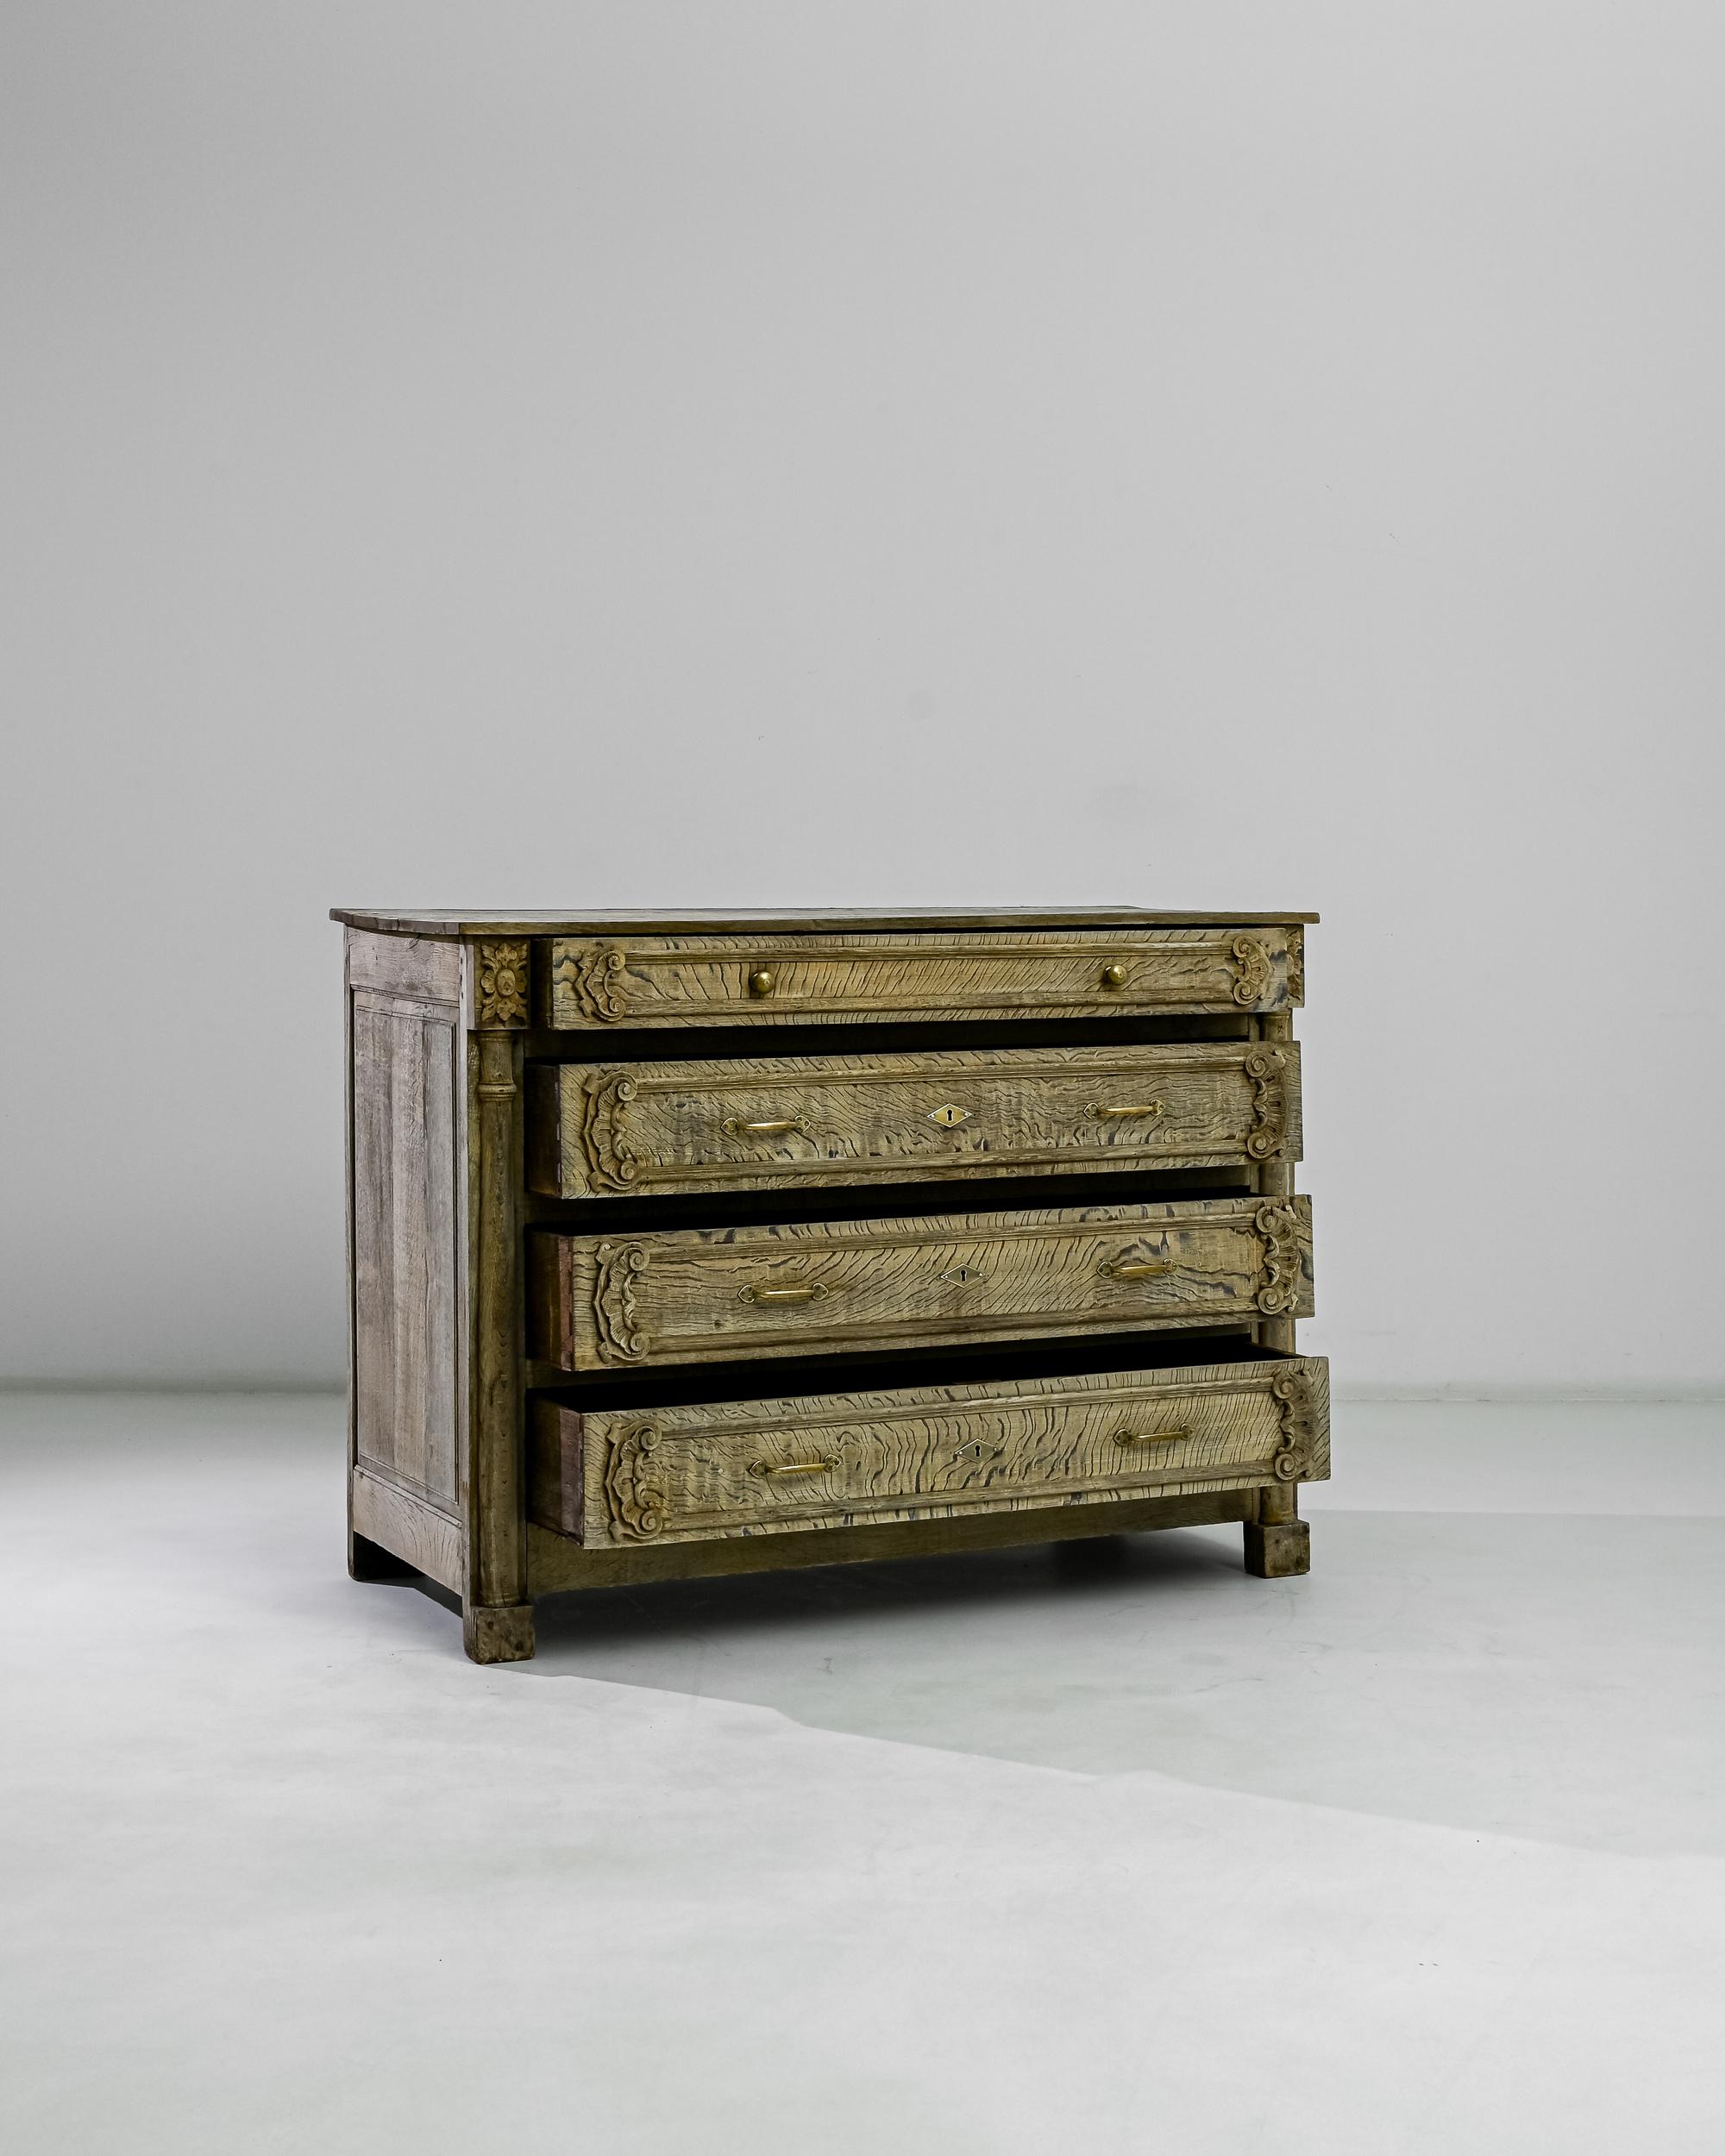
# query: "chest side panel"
405 1350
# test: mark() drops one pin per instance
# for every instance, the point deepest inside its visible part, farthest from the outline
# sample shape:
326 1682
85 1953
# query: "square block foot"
1278 1553
500 1634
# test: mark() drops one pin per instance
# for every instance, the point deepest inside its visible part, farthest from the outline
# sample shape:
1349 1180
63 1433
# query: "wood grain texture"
598 983
404 1297
444 921
765 1123
558 1564
405 965
715 1294
442 1008
619 1477
361 1555
428 1540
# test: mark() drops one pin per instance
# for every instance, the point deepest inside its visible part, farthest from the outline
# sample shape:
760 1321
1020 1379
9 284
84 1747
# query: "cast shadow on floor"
1552 1678
966 1585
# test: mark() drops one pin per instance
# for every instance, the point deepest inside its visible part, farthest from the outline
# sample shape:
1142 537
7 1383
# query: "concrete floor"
1110 1849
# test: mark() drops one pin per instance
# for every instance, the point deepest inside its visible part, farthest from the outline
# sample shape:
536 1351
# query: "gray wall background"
792 453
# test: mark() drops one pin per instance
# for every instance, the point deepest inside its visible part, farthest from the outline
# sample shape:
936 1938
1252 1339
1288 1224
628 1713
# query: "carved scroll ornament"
638 1501
612 1162
616 1321
596 978
1254 969
1278 1269
1266 1066
1292 1390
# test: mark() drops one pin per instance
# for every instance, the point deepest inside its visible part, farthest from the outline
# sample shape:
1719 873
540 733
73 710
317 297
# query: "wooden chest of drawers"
682 1244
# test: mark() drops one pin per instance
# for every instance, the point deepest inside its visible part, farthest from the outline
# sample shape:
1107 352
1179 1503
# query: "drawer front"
719 1294
774 1122
684 1473
600 982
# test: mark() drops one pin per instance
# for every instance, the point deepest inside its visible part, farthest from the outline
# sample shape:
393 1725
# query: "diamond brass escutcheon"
950 1116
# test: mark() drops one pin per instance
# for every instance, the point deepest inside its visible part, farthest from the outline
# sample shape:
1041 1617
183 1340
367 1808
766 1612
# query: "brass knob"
1114 977
762 983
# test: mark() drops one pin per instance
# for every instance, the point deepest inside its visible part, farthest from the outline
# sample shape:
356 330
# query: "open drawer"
620 1476
842 1286
777 1122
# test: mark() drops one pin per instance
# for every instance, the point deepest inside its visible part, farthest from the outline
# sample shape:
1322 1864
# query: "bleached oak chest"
687 1244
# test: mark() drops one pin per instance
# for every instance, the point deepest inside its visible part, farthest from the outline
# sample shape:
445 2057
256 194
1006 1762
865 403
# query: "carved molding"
621 1338
612 1162
596 978
1296 965
500 997
1292 1390
1254 969
1278 1269
1265 1067
638 1501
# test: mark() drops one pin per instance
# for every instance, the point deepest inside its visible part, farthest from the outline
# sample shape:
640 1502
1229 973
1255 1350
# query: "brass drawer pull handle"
767 1130
762 983
1117 1269
806 1291
792 1467
1150 1437
1143 1107
1114 976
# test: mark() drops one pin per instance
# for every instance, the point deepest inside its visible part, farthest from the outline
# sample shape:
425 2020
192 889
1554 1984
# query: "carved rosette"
500 992
1278 1269
1265 1067
1296 965
638 1501
621 1338
597 979
1254 969
612 1162
1292 1391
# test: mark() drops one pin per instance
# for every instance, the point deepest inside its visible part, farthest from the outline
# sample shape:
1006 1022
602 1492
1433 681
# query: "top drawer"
602 982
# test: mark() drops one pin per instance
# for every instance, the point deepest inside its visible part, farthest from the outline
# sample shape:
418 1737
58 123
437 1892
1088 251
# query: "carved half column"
498 1617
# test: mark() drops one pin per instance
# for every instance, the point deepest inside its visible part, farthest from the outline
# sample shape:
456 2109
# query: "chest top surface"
455 921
